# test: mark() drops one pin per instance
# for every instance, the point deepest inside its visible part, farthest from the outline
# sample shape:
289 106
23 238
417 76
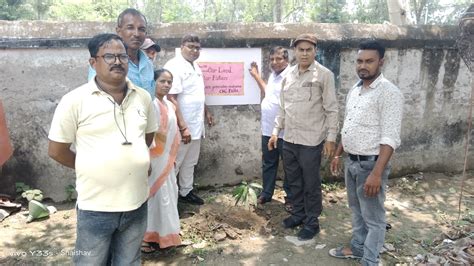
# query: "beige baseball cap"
309 37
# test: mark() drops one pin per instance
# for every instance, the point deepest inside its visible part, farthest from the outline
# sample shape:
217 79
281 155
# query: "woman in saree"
163 220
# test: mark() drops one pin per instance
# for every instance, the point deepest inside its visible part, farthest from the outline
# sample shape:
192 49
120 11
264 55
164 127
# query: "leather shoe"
290 223
307 234
191 198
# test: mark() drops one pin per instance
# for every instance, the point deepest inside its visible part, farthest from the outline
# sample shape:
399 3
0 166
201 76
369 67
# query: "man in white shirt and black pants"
269 108
370 134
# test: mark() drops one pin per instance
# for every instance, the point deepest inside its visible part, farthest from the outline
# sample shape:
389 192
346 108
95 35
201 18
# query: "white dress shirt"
188 84
271 102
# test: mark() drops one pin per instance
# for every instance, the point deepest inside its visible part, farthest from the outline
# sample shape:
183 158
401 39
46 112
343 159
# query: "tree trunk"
204 13
160 12
216 11
234 8
277 10
397 12
418 6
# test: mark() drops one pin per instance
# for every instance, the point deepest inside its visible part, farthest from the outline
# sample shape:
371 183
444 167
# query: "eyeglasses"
110 58
192 47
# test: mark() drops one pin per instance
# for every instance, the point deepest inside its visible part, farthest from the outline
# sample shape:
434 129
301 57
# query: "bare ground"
422 210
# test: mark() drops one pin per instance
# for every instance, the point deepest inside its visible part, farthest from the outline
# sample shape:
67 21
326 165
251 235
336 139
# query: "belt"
355 157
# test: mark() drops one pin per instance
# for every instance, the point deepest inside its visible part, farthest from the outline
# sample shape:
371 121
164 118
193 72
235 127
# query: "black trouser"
270 160
301 164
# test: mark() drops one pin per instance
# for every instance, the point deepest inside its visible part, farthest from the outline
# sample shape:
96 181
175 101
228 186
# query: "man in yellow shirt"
111 123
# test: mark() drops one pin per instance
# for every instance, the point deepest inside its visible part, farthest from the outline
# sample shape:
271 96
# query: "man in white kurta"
188 92
269 109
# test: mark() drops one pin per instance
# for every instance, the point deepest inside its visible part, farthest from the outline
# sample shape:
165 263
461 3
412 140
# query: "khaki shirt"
308 106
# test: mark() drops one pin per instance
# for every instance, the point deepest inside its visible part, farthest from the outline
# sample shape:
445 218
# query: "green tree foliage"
41 8
72 12
289 11
153 10
294 10
436 12
90 10
370 12
329 11
109 10
210 10
176 10
258 11
15 10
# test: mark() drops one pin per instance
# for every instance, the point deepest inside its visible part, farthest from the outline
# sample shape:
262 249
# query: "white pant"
187 158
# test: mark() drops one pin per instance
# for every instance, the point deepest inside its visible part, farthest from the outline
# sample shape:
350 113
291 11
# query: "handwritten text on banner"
223 78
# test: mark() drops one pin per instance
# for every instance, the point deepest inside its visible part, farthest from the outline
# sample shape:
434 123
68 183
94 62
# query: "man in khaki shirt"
308 113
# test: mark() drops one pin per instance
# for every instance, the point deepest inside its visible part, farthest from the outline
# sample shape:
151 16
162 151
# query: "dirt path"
419 208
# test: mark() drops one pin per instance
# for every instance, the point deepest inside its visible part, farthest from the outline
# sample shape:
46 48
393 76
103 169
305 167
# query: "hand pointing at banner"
256 75
254 69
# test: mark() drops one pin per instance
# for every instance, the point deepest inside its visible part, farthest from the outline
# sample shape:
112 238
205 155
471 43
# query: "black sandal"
147 247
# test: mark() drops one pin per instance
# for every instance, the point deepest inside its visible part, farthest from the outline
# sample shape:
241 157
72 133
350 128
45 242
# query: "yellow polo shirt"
111 177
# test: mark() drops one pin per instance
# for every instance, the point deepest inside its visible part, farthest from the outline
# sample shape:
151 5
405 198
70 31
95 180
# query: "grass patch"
333 186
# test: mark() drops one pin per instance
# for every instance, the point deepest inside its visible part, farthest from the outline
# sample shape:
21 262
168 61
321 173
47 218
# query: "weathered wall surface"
42 61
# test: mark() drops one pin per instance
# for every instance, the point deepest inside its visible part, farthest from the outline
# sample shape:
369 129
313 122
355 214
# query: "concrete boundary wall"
41 61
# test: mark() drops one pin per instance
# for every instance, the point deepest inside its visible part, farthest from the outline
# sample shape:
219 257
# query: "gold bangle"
337 157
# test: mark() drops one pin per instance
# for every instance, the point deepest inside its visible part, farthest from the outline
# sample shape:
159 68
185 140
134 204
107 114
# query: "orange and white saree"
163 220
